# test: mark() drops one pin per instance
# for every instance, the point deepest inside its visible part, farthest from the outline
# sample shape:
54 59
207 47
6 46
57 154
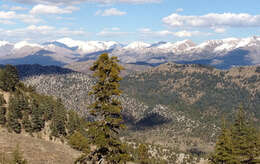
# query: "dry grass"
37 151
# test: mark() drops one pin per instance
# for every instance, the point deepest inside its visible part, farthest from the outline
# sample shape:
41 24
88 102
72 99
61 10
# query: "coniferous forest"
102 131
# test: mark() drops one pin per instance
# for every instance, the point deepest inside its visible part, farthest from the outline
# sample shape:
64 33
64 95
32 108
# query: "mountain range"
223 54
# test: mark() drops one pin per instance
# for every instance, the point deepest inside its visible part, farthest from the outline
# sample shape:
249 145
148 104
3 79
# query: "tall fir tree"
73 123
2 110
58 122
223 153
9 78
244 138
14 114
104 131
238 144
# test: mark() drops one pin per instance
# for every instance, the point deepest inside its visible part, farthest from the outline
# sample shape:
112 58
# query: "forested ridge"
173 102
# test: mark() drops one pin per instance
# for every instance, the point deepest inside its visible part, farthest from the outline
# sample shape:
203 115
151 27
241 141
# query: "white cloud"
179 10
48 9
165 33
112 32
18 8
6 22
186 33
115 29
12 15
4 6
98 12
110 12
219 30
213 20
29 19
7 15
40 33
40 28
66 2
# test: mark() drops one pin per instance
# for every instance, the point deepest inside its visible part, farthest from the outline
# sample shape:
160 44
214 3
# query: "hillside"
196 88
39 124
183 103
35 150
27 70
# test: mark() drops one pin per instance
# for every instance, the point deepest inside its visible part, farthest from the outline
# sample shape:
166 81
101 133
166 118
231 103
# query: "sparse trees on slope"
104 131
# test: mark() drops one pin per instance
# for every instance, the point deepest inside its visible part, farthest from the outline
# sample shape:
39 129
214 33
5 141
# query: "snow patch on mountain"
3 43
137 45
22 44
89 46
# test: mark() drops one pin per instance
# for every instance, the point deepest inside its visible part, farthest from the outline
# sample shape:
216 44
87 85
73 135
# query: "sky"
128 20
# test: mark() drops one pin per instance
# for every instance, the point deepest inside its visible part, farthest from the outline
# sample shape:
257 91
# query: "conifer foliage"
2 110
31 112
238 144
8 78
104 131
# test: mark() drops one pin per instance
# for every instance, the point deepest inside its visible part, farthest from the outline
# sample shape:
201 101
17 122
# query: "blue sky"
128 20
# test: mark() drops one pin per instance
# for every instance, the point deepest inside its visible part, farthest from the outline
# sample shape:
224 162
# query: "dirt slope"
37 151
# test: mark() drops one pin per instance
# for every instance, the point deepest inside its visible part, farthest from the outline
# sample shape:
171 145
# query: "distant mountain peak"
137 45
22 44
212 52
89 46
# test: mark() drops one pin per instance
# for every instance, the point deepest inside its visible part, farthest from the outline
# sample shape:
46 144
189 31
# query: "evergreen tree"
73 123
27 125
9 78
2 115
47 106
143 154
239 144
2 110
223 153
79 142
37 117
13 123
58 122
104 131
2 83
244 138
14 114
2 100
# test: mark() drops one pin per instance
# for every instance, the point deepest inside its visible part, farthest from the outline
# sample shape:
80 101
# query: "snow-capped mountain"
84 47
136 45
3 43
222 53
